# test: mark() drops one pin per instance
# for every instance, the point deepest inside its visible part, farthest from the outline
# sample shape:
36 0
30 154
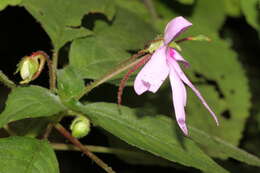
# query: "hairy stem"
120 68
124 80
84 149
6 81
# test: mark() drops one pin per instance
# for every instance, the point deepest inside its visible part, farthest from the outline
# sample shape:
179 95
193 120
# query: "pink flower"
163 63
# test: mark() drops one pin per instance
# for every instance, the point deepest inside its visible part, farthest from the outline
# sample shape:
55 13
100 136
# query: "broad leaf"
30 102
62 19
146 131
27 155
110 45
150 133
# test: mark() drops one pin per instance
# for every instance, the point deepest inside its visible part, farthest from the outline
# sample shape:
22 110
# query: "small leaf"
30 102
70 83
150 133
27 155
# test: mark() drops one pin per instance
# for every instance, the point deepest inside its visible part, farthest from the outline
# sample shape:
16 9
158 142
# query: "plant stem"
53 69
96 149
121 67
84 149
47 131
6 81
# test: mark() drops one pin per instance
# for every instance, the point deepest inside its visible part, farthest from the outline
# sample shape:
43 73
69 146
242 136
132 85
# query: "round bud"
80 127
28 67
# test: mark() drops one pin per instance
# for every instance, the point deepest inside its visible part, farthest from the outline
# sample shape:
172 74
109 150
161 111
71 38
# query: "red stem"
127 75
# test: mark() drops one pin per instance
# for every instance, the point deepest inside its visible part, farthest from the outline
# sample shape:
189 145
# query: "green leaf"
110 45
233 7
217 144
70 83
5 3
150 133
251 10
62 19
30 102
27 155
160 135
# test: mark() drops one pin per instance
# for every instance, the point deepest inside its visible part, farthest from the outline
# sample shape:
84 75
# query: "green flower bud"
80 127
28 67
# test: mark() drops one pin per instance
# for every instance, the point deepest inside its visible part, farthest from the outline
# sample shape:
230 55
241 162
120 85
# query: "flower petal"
174 28
153 74
195 90
175 55
179 99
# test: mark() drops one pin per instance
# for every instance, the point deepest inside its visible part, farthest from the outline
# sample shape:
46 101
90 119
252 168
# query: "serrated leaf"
96 55
149 133
70 83
30 102
27 155
62 19
5 3
251 10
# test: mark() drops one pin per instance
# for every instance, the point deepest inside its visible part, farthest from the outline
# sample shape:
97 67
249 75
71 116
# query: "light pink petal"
153 74
179 99
187 81
174 28
175 55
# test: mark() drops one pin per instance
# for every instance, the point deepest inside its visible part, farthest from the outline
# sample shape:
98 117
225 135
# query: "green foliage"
233 7
30 102
64 24
96 55
70 83
103 33
5 3
27 155
155 134
251 10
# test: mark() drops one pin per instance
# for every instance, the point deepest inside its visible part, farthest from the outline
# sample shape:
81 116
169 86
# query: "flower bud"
28 67
80 127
